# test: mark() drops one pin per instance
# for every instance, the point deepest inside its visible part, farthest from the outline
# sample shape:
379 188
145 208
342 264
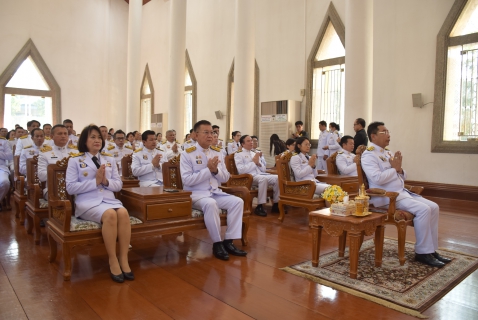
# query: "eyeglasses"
207 133
384 132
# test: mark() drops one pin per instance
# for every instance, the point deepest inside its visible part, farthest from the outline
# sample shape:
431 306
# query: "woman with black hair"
279 145
93 178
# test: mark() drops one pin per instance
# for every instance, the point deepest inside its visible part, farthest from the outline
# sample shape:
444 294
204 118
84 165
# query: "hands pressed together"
396 162
212 164
101 176
156 160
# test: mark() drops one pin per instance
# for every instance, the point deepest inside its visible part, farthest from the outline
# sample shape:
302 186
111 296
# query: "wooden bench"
64 229
19 197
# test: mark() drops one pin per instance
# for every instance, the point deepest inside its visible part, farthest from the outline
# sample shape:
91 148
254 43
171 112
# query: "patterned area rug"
410 289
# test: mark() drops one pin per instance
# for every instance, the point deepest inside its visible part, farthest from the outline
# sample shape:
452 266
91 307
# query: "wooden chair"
19 197
295 194
36 206
129 181
399 218
172 179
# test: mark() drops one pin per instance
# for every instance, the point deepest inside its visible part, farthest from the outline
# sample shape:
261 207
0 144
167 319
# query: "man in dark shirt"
299 125
360 134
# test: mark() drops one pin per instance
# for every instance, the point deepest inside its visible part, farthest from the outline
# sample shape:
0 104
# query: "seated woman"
303 165
93 177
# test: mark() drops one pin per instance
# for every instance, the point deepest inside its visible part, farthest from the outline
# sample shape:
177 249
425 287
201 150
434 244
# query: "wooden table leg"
342 240
354 247
379 235
316 235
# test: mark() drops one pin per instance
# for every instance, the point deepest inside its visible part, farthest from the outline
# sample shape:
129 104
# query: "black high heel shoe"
128 275
117 278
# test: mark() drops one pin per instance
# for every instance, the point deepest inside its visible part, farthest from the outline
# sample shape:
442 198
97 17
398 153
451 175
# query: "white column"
244 66
177 66
358 62
133 78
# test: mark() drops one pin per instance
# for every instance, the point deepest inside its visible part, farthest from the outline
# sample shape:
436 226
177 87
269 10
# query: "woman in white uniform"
93 177
303 165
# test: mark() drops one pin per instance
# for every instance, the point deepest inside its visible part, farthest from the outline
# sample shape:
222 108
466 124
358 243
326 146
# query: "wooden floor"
177 277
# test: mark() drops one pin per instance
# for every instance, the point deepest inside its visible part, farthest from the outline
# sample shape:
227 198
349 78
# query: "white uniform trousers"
263 182
426 214
211 207
4 184
320 187
320 164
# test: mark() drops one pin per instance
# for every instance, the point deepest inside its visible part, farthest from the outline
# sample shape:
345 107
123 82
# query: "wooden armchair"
129 181
333 177
36 206
19 197
172 179
399 218
296 194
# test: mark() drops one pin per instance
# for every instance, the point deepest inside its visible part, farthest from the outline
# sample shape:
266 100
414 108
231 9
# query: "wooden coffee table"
355 227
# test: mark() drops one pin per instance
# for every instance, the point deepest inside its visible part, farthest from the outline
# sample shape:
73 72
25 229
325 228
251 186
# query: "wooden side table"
355 227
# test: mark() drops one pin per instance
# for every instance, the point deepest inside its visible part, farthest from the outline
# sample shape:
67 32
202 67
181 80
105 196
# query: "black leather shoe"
128 275
428 259
260 211
219 251
231 248
117 278
440 258
275 208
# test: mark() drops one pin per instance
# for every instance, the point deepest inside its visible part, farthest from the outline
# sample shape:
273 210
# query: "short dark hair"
30 123
361 122
159 133
345 139
290 142
68 121
299 141
32 133
118 132
191 131
242 138
46 124
17 128
103 127
200 123
234 133
297 123
84 137
146 134
373 128
334 125
134 132
323 123
215 127
252 137
57 126
129 134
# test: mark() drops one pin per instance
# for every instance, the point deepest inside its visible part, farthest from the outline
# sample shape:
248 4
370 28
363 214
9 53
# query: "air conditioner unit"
277 117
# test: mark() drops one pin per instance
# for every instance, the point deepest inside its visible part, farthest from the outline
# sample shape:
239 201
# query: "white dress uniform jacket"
28 153
322 142
206 194
81 181
332 142
142 167
188 144
22 143
5 155
118 153
303 171
167 147
48 141
73 139
380 174
233 147
263 180
49 155
345 163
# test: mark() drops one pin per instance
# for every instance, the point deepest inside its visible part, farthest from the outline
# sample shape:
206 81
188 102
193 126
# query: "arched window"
147 102
190 95
326 74
28 90
455 112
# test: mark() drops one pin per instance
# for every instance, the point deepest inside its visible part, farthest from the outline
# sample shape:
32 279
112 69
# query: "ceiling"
144 1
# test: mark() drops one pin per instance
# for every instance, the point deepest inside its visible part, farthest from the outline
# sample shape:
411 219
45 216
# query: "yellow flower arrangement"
334 194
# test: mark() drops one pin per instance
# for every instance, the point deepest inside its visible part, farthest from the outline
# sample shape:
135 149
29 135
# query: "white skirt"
95 213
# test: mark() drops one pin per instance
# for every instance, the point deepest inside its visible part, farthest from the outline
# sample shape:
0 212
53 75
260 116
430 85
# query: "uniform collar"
379 149
55 147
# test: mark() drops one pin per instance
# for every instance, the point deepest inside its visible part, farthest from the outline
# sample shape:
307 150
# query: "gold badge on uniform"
85 174
198 161
108 164
32 152
145 157
83 165
383 159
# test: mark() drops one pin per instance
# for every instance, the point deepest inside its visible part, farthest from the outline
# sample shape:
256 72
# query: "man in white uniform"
171 147
47 133
384 170
248 161
26 140
120 149
202 172
345 158
235 144
73 139
108 144
322 154
220 142
5 155
147 161
28 152
192 140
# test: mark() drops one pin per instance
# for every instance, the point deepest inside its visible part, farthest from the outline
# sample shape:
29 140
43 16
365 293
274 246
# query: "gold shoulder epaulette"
191 149
138 150
163 141
28 147
129 147
229 141
294 153
47 138
238 151
189 141
106 154
72 146
74 155
386 148
340 152
110 147
158 148
46 148
215 148
371 148
23 137
3 138
11 139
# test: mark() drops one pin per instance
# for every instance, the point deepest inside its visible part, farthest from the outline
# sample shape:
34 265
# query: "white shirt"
345 163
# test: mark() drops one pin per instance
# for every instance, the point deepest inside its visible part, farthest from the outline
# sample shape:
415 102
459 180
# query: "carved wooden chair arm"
300 189
60 213
34 194
241 192
414 189
240 180
20 184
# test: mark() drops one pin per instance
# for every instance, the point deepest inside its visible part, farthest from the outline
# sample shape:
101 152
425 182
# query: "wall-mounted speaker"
219 114
417 100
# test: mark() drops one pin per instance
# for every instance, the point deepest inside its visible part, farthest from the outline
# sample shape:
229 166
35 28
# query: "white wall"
84 45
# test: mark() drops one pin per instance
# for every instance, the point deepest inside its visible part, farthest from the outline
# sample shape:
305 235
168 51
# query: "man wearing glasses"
120 149
384 170
202 172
